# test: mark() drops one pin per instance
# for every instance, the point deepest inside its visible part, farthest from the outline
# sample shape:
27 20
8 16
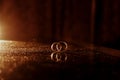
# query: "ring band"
58 46
58 57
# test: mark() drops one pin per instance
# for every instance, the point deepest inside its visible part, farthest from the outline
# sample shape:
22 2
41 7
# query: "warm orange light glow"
1 41
1 45
1 31
4 45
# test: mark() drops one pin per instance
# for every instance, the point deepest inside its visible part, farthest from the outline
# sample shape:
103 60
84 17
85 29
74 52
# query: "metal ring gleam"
61 57
53 46
59 46
58 57
53 56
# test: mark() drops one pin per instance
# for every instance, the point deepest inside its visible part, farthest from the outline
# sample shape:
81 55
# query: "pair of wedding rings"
58 54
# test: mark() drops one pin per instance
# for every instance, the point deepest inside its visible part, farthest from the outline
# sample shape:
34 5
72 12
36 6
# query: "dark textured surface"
37 65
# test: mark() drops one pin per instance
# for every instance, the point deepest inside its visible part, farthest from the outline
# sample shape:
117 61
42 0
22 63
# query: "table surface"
31 61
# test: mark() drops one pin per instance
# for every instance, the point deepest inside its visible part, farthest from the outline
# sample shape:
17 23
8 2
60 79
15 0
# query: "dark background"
75 21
